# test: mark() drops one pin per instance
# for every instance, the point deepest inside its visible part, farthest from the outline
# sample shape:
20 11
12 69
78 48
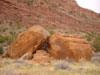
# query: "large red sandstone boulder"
63 46
41 56
28 42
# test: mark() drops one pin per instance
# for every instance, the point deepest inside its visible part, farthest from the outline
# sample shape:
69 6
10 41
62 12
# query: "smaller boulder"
41 56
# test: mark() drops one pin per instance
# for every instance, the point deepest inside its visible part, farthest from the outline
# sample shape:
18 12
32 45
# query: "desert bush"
69 60
51 32
83 16
95 38
10 39
30 2
96 59
41 3
4 29
11 23
96 54
0 22
38 16
1 49
96 43
18 24
2 39
62 65
90 36
54 6
71 12
12 33
7 39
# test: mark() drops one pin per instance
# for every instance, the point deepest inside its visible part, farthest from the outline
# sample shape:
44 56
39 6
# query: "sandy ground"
15 67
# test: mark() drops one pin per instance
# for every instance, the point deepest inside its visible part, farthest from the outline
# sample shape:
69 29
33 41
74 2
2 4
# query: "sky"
90 4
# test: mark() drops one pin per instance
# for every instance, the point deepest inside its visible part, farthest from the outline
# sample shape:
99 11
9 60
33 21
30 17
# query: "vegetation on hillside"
1 49
96 43
94 39
8 33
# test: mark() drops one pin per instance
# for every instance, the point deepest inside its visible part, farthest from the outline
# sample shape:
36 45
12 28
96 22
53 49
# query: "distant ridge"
51 14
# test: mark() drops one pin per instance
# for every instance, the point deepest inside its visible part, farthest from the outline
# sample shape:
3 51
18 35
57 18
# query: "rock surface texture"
63 46
41 56
28 41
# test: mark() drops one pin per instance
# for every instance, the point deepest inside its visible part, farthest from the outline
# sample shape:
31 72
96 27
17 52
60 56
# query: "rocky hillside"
51 14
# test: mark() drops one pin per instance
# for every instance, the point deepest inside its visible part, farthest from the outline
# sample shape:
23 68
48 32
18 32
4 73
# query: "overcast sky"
90 4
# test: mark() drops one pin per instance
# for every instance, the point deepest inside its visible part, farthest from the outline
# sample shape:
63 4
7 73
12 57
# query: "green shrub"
71 12
4 29
2 39
64 64
51 32
10 39
54 6
41 3
13 34
0 22
11 23
94 39
1 49
18 24
38 16
90 36
7 39
30 2
96 43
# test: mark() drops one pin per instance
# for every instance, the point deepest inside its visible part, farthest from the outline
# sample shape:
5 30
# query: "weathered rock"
63 46
41 56
5 55
27 56
28 41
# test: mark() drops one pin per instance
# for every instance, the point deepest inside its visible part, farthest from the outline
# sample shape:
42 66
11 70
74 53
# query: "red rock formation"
28 45
28 41
63 46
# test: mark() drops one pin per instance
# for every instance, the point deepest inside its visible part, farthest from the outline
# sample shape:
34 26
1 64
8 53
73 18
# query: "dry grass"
14 67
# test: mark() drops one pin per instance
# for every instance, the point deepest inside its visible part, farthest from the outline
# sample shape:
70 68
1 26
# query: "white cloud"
90 4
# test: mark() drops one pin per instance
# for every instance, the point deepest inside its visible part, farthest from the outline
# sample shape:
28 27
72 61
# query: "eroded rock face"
41 56
28 41
63 46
